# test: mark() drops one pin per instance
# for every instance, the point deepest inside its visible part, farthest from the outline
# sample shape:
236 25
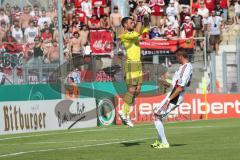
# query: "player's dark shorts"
199 33
214 39
133 73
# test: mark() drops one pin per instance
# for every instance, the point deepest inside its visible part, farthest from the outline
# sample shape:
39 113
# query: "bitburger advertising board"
35 116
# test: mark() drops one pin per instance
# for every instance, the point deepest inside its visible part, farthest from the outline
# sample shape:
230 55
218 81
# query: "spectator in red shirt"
170 31
94 22
210 4
99 6
188 27
77 3
157 8
81 15
195 4
46 35
47 38
224 4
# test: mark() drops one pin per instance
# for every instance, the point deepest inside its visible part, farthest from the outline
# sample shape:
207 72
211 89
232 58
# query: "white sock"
160 130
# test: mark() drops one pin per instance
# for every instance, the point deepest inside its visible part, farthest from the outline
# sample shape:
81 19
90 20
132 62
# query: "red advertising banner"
101 42
12 47
193 108
162 44
186 43
152 46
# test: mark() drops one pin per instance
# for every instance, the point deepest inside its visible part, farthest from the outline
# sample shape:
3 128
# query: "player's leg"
169 109
153 20
128 100
139 79
162 140
162 107
134 80
157 120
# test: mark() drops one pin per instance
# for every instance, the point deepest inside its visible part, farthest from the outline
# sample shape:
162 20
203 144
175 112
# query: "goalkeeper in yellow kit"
133 66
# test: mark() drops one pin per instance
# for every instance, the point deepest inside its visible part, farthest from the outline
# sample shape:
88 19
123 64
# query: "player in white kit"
181 80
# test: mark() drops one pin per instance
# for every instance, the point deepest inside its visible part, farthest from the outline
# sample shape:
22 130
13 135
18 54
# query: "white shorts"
164 110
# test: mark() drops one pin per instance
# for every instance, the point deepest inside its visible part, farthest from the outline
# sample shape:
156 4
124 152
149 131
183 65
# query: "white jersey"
87 8
76 75
17 34
5 19
171 13
236 8
215 24
42 20
204 12
30 34
182 77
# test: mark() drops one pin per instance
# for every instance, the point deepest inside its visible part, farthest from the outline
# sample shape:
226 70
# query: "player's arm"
194 33
177 91
139 25
139 21
194 30
182 82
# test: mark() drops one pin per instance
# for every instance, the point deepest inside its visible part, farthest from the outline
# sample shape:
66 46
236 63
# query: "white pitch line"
185 127
90 130
74 147
97 130
69 132
48 134
54 142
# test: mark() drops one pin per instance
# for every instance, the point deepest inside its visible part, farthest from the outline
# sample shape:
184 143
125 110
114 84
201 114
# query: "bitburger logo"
16 119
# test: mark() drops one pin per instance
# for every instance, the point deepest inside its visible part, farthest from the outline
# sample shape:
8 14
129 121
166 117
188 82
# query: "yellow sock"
126 109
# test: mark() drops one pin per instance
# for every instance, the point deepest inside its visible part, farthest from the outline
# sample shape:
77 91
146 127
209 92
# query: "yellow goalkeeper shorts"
133 73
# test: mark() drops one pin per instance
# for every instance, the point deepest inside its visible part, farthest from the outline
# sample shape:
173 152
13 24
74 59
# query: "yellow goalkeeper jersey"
130 41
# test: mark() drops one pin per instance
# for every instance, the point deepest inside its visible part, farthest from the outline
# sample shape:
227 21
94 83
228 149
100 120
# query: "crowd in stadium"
36 28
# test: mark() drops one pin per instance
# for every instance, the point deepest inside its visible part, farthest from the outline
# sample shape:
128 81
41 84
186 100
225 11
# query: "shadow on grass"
177 145
130 144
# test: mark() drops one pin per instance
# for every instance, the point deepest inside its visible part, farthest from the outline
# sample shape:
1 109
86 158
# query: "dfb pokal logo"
106 112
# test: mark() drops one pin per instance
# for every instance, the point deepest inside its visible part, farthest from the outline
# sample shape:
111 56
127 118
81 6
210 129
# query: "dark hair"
71 78
3 23
38 39
76 32
182 52
124 20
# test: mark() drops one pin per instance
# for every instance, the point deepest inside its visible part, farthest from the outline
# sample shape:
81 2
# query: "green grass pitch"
194 140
